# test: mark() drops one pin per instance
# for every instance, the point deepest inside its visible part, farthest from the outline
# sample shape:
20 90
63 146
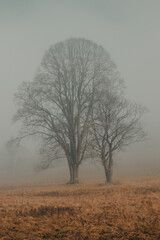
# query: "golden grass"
126 210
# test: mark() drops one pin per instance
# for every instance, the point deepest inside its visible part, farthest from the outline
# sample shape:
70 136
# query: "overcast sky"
128 29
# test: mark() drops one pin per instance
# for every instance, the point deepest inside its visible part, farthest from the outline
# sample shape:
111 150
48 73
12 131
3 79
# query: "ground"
126 209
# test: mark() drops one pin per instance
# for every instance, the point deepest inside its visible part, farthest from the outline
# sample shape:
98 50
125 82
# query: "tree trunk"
74 171
109 168
109 175
75 175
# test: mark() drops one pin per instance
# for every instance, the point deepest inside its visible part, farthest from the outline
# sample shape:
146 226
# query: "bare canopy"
57 105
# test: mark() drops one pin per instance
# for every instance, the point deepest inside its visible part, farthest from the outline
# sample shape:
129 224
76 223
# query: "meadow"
126 209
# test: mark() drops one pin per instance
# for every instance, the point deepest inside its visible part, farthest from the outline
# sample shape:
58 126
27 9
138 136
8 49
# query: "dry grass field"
128 209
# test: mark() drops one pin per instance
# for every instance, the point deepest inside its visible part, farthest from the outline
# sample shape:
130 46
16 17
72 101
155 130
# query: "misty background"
129 30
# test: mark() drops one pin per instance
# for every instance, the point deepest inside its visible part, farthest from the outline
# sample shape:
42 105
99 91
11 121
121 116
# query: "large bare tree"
115 125
57 105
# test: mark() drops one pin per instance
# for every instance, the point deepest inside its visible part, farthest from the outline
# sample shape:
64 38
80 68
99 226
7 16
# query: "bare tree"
57 105
115 125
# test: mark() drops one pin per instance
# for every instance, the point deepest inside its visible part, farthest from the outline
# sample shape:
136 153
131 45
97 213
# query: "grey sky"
128 29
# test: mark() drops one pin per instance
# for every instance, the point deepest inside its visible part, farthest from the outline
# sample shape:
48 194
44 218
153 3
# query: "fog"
128 30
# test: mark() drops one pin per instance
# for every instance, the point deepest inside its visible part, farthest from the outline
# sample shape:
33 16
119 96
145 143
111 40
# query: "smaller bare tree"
115 125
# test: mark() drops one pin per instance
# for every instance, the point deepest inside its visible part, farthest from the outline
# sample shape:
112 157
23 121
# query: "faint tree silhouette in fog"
57 105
